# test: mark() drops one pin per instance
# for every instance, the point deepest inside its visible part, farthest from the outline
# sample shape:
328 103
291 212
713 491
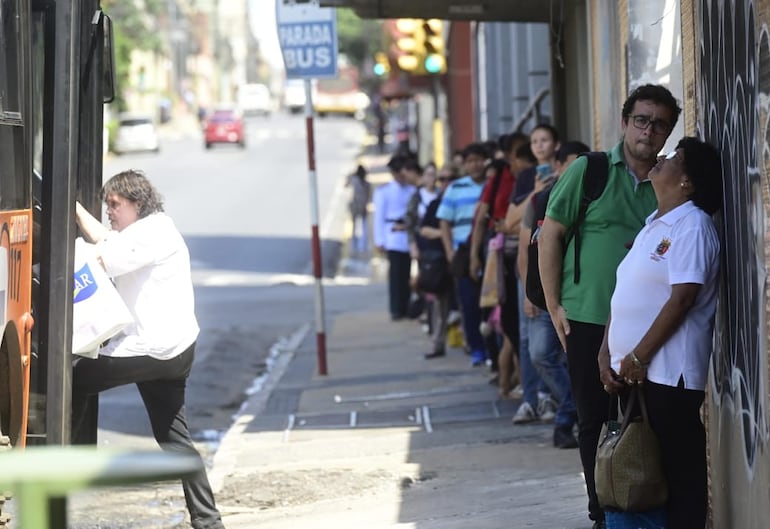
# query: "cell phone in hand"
544 171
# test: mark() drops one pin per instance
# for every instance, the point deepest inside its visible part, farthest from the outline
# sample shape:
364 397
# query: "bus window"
13 183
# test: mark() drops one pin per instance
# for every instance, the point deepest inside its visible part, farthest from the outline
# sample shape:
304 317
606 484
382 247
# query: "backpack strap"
594 181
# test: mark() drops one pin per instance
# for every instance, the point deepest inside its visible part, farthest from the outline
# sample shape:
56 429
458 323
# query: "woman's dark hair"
134 186
361 172
497 165
524 152
652 92
548 128
703 166
509 141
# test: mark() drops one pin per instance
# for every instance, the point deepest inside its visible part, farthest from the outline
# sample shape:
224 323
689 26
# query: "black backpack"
594 182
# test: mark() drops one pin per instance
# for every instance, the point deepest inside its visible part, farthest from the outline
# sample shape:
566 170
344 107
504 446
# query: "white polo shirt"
150 264
682 246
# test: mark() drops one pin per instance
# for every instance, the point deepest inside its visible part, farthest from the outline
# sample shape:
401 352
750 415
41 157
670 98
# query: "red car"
225 126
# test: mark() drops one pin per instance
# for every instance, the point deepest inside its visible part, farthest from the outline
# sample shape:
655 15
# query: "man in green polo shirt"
580 310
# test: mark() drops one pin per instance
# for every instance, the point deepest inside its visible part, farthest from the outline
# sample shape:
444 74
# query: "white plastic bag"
99 312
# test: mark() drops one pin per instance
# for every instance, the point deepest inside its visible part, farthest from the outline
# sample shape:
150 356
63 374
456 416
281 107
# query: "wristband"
637 362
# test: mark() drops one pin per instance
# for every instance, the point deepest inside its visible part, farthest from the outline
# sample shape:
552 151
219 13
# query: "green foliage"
133 28
358 39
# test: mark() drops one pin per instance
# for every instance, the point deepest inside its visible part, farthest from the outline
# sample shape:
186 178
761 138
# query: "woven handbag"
629 472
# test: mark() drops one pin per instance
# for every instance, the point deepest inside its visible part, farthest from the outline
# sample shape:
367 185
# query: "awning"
489 10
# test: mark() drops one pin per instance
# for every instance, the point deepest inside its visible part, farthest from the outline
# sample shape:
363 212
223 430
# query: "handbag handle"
636 393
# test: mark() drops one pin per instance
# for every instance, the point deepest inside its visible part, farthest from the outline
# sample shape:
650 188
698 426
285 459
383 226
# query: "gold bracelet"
637 362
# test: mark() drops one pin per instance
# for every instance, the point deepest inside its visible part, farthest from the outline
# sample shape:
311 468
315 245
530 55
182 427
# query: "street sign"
308 37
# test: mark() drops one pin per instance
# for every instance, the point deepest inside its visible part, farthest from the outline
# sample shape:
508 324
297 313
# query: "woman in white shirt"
662 319
149 261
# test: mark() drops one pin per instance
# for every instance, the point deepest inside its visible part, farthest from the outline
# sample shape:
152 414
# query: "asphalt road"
245 214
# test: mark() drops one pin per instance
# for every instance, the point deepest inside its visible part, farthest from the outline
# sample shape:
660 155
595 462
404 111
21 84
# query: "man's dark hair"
524 152
703 166
652 92
570 147
410 164
507 141
475 148
396 162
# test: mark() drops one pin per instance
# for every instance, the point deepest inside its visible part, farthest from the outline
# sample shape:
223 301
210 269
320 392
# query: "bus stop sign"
308 37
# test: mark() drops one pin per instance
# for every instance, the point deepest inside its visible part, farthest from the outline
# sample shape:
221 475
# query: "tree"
358 39
133 28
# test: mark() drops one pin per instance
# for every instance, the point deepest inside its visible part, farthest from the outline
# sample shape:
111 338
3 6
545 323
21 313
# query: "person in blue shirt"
456 213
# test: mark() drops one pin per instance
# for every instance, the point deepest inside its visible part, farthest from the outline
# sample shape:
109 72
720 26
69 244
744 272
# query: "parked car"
294 95
255 99
135 133
225 125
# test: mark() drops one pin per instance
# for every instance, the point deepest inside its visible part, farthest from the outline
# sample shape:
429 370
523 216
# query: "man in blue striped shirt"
456 212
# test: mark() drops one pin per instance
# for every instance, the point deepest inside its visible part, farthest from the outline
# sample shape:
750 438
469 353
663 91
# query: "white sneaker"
517 392
546 409
524 414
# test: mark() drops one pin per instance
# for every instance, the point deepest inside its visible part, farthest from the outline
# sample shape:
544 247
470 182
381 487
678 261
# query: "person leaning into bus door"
149 261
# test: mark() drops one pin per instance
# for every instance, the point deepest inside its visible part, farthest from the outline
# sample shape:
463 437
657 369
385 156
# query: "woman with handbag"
662 320
434 278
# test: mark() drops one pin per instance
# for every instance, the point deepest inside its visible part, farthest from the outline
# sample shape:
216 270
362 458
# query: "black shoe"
564 438
599 525
435 354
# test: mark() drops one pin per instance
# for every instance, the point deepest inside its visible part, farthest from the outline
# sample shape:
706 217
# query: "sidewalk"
388 439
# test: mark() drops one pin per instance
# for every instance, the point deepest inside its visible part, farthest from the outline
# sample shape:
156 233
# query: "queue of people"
643 226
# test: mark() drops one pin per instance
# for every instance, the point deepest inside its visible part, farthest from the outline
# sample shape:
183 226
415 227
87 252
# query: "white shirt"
390 202
150 264
682 246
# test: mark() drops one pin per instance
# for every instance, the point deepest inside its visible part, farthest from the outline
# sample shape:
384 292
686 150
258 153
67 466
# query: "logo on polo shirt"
661 249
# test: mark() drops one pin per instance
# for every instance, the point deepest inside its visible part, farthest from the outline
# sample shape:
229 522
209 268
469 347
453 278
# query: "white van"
254 99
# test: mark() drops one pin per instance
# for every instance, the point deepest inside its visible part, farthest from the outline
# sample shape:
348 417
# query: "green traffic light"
379 69
434 63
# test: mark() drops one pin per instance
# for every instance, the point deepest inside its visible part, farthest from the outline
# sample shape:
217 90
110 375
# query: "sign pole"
320 318
308 37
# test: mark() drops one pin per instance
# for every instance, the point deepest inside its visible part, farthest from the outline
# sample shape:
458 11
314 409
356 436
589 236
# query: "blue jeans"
468 298
551 363
360 233
531 383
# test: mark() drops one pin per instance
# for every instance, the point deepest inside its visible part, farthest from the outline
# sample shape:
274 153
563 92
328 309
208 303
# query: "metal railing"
532 110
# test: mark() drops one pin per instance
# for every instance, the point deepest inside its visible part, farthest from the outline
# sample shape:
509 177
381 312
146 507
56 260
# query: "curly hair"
134 186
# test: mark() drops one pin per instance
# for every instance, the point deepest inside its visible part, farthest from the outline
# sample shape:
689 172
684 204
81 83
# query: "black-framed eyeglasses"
659 126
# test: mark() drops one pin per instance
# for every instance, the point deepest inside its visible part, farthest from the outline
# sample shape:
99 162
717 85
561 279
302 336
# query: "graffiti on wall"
731 100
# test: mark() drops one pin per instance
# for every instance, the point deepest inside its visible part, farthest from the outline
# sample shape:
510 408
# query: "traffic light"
408 44
381 64
434 60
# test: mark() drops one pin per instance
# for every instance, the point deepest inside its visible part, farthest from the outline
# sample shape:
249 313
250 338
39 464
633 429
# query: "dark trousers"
591 401
509 310
468 297
674 414
399 269
161 384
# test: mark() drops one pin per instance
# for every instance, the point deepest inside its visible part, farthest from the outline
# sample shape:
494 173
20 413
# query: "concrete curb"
281 355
